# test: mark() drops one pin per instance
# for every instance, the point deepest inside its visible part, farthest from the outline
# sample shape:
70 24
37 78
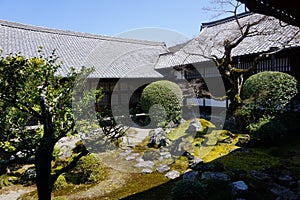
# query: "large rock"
159 138
180 146
215 176
194 126
29 175
191 175
151 155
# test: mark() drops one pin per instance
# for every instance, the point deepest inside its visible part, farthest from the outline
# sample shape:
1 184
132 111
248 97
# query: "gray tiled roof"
210 41
110 56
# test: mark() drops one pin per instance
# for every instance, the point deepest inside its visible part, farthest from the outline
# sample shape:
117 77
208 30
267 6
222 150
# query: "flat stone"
125 153
165 155
163 168
145 164
173 174
130 158
147 171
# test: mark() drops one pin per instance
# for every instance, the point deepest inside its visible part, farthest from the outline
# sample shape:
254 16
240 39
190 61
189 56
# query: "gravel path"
15 192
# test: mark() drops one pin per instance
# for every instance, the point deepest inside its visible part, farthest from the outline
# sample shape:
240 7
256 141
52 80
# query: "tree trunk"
43 171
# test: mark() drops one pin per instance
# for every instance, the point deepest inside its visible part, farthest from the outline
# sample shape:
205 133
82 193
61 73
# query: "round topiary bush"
163 101
188 189
89 169
265 96
268 93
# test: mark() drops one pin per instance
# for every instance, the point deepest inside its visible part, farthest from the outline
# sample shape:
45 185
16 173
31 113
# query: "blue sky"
111 17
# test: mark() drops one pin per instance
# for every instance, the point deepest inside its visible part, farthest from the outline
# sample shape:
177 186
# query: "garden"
253 153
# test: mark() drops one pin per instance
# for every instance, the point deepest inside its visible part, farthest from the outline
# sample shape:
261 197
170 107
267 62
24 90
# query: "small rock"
196 164
239 188
173 174
191 175
163 168
244 140
147 171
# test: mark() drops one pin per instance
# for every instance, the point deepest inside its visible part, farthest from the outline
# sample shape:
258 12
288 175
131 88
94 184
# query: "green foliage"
26 87
59 198
89 169
60 183
267 93
188 189
4 181
163 101
266 96
267 130
33 93
56 153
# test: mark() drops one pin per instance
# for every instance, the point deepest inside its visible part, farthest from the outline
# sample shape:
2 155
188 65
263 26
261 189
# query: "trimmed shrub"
188 189
266 96
163 101
89 169
267 93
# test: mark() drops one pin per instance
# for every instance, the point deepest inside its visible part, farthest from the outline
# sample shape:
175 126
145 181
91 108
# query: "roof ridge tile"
76 34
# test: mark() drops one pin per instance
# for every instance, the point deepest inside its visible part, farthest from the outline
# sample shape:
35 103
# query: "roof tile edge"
224 20
77 34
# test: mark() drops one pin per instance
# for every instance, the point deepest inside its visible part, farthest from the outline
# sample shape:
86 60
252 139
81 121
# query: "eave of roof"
213 34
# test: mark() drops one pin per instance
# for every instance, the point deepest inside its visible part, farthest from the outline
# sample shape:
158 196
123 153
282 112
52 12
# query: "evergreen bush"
89 169
265 97
163 101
